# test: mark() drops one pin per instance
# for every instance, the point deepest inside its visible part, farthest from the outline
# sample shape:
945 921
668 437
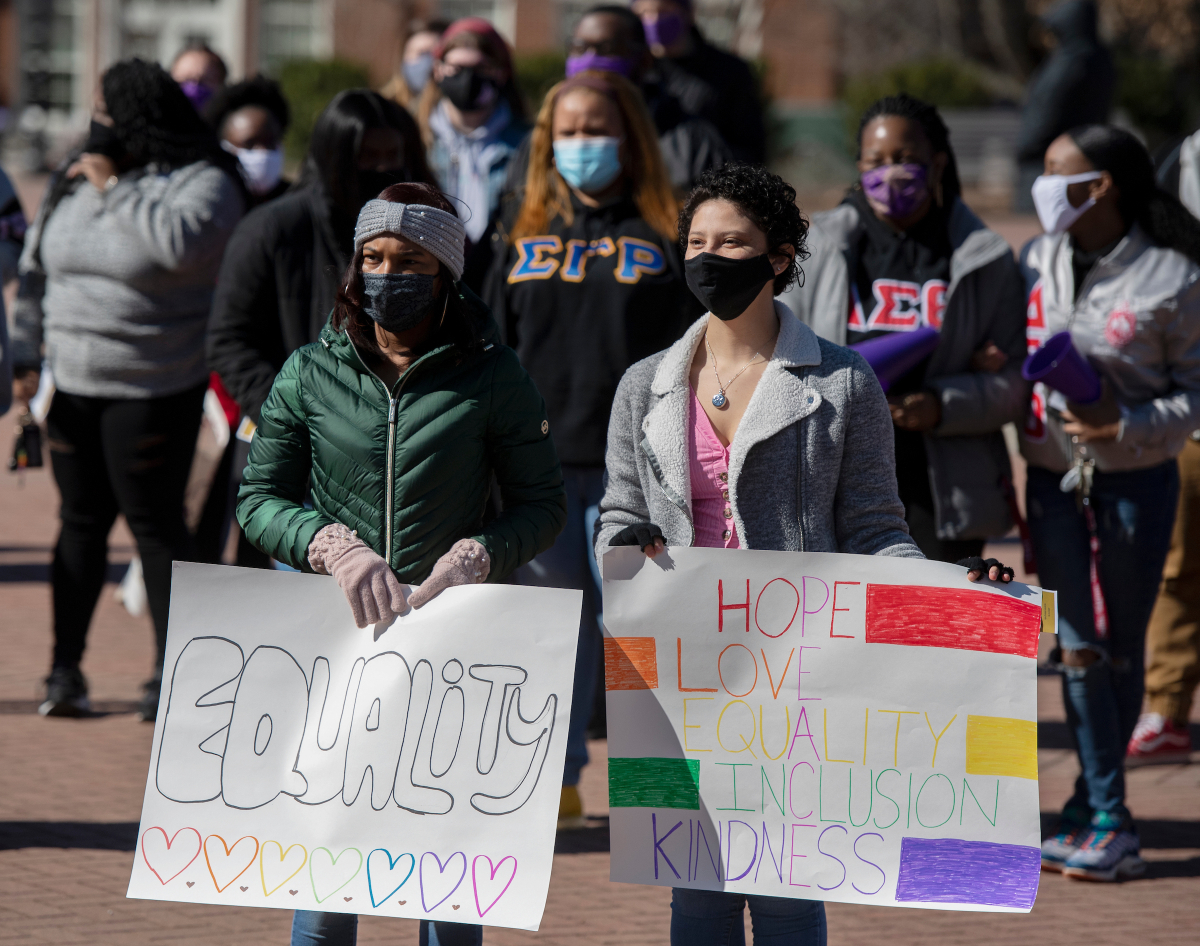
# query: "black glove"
984 567
641 534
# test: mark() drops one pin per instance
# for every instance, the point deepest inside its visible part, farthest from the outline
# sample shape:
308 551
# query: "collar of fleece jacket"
780 400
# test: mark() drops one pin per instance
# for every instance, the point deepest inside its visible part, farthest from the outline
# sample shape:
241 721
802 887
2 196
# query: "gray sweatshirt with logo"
118 284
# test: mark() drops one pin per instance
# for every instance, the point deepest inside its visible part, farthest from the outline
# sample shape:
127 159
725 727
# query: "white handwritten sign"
411 770
830 727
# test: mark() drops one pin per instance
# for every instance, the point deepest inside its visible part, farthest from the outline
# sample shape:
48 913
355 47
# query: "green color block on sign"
654 783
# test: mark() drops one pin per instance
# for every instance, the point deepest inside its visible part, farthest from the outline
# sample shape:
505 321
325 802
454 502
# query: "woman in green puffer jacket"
397 419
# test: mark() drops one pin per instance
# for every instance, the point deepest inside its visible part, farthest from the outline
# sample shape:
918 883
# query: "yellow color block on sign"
999 745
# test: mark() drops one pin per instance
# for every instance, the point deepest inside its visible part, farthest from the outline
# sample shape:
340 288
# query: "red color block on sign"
952 617
630 663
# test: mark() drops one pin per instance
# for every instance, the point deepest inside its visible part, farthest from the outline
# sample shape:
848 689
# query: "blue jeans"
310 928
714 918
571 563
1134 514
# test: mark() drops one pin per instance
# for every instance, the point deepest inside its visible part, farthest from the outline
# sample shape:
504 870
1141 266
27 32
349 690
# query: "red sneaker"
1158 741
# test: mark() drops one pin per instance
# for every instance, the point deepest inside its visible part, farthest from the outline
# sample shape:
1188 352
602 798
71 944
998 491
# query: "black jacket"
1073 87
718 86
274 292
580 304
690 146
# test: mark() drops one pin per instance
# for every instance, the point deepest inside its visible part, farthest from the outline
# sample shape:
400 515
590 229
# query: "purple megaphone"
893 355
1059 365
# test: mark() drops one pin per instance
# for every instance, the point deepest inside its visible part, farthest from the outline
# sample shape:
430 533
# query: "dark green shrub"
309 85
536 73
1148 91
946 83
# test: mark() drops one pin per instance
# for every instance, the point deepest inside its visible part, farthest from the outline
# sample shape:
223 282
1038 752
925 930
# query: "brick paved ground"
70 798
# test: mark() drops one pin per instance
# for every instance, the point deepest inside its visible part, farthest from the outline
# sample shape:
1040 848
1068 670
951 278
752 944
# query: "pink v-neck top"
712 513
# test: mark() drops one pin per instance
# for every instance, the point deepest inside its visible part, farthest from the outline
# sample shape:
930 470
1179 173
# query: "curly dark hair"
154 120
931 123
766 199
457 326
260 91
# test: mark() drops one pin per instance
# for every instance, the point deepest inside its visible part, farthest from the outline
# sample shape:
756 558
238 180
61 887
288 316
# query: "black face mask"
102 139
468 91
398 301
727 286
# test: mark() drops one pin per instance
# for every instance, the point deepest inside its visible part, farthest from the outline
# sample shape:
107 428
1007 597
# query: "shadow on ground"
122 836
1056 734
76 835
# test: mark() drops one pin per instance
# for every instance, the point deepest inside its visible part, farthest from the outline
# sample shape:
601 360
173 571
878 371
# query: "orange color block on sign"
630 664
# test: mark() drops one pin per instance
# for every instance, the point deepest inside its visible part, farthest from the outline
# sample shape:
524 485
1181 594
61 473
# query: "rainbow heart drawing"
434 881
232 861
163 857
280 867
325 873
381 876
490 880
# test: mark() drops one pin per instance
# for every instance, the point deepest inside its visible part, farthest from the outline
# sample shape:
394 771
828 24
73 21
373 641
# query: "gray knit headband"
437 231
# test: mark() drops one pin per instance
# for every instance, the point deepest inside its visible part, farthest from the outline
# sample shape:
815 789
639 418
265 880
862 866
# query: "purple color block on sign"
947 870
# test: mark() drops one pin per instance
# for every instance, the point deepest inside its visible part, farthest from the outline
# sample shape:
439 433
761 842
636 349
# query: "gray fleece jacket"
811 468
118 284
985 301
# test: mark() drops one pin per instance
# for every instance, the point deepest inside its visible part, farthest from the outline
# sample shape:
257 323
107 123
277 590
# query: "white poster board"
408 770
831 727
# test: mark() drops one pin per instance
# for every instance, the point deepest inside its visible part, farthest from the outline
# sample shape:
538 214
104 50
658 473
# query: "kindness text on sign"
830 727
411 770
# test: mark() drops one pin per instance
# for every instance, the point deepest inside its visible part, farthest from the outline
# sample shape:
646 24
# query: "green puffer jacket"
409 469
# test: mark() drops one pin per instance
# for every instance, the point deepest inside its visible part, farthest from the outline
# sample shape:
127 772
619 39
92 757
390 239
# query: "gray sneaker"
1107 854
1059 848
66 693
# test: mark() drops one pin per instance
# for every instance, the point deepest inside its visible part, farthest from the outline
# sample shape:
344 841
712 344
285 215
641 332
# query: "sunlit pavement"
71 791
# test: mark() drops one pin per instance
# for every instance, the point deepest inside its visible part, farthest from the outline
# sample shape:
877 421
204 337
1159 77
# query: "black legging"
112 455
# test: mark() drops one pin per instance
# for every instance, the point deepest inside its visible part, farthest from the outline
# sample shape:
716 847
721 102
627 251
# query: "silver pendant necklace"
719 399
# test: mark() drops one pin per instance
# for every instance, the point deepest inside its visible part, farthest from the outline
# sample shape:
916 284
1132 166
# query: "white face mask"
261 169
1054 210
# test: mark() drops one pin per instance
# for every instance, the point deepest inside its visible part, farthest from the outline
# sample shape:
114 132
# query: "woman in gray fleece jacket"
751 432
116 281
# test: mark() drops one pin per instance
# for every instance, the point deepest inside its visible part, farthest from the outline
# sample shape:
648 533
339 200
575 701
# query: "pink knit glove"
467 563
368 583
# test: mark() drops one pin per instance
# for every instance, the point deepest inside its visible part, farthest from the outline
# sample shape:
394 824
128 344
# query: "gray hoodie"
968 460
805 470
118 284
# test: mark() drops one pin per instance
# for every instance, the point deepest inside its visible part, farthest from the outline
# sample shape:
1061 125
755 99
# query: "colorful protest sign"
831 727
410 770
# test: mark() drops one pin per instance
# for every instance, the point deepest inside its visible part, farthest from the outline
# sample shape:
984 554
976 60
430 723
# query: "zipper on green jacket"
393 415
393 403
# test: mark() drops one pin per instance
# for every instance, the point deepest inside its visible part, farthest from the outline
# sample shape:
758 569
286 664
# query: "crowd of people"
465 345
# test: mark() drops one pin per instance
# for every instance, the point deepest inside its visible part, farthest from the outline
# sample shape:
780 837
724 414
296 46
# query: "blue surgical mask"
398 301
589 164
417 72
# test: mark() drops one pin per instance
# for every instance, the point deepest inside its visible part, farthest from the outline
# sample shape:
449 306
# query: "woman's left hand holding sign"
370 585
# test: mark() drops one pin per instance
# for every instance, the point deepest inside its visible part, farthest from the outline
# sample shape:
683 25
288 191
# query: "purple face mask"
197 94
896 190
665 30
593 60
